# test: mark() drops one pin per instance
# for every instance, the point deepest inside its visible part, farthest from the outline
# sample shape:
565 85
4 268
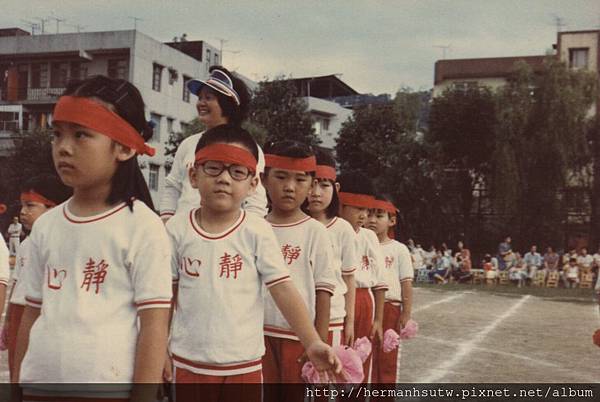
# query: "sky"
376 46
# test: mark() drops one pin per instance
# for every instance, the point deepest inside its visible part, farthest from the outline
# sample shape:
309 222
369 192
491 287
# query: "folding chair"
553 278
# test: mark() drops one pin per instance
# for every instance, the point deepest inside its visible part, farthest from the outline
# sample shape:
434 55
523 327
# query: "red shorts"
190 386
385 364
364 313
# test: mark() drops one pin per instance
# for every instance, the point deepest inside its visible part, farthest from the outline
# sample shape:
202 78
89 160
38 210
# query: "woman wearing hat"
222 99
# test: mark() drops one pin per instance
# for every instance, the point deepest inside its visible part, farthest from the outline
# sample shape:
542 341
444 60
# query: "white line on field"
444 300
539 362
465 348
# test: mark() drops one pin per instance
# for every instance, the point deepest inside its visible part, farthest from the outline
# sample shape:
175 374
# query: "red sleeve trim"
348 271
33 302
161 303
322 289
276 281
406 280
167 213
381 287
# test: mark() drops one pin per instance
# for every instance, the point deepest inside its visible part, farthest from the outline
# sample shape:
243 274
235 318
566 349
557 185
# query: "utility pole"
135 20
558 22
222 42
58 21
42 23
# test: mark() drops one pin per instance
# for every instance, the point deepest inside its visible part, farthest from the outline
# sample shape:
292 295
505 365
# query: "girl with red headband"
306 249
98 282
38 196
323 205
223 98
398 298
356 198
223 257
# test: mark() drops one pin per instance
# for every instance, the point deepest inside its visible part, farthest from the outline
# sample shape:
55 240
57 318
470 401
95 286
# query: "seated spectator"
571 273
505 253
551 260
442 268
429 256
490 271
596 263
533 262
417 257
517 273
585 261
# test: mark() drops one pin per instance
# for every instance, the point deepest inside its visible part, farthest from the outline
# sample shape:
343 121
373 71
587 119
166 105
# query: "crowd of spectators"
441 265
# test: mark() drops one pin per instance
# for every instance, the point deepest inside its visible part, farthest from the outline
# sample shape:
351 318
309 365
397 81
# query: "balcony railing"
45 95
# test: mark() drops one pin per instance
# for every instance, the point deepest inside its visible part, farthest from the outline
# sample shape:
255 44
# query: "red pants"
16 312
200 387
335 338
385 364
364 313
281 366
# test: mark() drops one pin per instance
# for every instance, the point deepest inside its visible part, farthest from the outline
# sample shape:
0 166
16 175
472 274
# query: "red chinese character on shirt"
365 262
94 274
389 261
290 253
230 265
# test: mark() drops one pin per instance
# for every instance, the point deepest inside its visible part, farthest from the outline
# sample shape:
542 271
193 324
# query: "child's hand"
377 332
404 318
168 369
324 360
349 333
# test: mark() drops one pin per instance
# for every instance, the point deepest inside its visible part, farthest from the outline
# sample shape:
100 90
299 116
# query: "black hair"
355 181
394 230
128 183
49 186
325 158
228 134
234 113
290 149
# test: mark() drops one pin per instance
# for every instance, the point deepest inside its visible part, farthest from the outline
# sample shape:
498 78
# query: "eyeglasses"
215 168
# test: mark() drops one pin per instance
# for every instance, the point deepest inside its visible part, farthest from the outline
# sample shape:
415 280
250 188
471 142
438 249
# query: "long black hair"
128 183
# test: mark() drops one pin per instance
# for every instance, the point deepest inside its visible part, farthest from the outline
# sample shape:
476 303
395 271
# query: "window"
216 57
173 75
117 68
156 76
170 122
9 121
78 70
326 124
578 58
186 91
185 127
465 85
153 177
155 118
168 169
58 74
207 59
39 75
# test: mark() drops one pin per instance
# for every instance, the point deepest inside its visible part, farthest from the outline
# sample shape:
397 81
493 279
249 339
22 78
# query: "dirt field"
481 337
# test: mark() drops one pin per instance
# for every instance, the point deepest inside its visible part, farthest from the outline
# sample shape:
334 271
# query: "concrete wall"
580 40
320 110
491 82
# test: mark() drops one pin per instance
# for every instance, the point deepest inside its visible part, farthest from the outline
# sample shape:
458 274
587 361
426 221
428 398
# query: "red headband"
226 153
91 114
32 196
283 162
385 206
325 172
356 200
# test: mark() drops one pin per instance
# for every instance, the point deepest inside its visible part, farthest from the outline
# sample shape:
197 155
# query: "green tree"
277 110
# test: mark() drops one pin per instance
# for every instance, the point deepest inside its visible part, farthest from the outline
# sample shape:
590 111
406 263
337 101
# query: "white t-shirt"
90 277
585 260
4 268
306 249
398 268
417 257
179 195
370 273
18 279
218 324
345 261
14 230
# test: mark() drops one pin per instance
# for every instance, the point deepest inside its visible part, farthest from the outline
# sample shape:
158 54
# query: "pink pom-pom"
391 340
410 330
352 367
363 348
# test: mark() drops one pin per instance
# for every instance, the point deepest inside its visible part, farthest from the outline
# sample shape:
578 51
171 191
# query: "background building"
34 71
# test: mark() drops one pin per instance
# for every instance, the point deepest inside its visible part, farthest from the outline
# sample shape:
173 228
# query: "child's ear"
124 153
392 220
193 177
253 184
337 186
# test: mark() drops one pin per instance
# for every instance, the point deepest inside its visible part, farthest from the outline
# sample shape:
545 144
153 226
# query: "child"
222 257
356 198
99 263
4 273
306 249
324 207
398 298
15 229
38 196
571 273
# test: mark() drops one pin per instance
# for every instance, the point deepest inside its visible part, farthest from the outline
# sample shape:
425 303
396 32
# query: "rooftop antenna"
558 22
42 23
135 21
31 25
222 41
58 21
444 48
78 27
